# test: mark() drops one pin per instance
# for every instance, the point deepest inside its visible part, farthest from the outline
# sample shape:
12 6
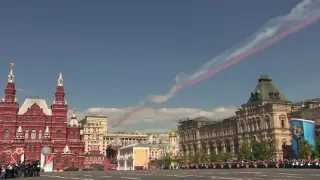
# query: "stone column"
192 150
216 148
232 147
208 148
224 147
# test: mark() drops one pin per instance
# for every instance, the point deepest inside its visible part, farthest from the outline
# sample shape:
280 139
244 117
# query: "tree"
318 142
245 151
165 160
198 157
305 150
213 157
260 150
223 157
178 159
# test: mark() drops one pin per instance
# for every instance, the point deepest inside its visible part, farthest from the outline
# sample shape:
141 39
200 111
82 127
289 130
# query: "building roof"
135 145
30 102
267 92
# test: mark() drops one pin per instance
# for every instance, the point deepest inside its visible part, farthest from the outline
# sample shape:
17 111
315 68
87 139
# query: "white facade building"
133 157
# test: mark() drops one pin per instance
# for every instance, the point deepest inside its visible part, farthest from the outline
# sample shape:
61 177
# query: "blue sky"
114 53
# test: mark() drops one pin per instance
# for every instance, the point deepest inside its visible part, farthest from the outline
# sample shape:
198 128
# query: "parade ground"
230 174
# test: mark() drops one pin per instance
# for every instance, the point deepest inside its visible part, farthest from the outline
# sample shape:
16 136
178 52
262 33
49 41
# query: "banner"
302 129
22 158
47 162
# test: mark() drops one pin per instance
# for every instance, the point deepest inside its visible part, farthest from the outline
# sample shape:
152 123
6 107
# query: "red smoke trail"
130 113
234 60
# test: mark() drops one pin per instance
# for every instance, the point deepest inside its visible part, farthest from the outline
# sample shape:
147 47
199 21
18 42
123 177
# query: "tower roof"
266 92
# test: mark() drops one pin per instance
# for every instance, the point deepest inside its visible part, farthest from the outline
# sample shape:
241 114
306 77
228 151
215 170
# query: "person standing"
38 168
3 172
22 170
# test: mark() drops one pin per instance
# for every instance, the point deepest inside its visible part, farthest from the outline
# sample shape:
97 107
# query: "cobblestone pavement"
223 174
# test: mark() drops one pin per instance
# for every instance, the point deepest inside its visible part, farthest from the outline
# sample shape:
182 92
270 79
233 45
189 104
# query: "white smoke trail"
300 12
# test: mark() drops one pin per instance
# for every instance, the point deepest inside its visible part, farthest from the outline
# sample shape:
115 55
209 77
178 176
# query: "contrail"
302 15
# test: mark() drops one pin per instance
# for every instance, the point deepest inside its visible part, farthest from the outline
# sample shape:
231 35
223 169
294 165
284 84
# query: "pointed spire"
10 91
74 113
60 79
74 121
47 130
19 129
11 76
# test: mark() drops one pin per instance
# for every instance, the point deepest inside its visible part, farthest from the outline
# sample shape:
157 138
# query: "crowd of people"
20 170
300 163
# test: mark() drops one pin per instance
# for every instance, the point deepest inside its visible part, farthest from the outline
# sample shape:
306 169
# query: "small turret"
47 133
66 150
19 133
74 121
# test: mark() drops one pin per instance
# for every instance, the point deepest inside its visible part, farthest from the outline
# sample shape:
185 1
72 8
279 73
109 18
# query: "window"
57 160
73 136
33 134
26 134
268 124
282 124
282 119
6 134
58 134
40 134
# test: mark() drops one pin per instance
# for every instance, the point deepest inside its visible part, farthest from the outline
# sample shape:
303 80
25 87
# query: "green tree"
198 157
305 149
318 143
178 159
213 157
165 160
223 157
260 150
245 151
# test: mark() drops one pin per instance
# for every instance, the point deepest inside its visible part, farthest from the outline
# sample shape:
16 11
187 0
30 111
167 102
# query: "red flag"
12 160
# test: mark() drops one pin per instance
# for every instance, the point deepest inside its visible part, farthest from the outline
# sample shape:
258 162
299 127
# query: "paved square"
229 174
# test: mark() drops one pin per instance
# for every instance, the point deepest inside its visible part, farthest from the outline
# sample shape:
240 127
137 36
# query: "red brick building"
36 132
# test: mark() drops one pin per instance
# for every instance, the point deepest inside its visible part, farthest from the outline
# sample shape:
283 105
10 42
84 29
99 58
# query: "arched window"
242 128
40 134
268 123
284 142
58 134
73 136
58 160
33 134
6 134
283 121
26 134
258 124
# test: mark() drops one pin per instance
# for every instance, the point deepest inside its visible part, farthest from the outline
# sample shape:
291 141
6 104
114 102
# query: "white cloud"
155 119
